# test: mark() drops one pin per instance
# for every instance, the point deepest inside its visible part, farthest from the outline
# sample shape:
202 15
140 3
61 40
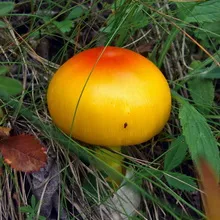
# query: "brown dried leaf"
148 47
210 187
23 153
4 132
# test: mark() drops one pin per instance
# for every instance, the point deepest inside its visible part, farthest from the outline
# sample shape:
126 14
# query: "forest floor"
181 38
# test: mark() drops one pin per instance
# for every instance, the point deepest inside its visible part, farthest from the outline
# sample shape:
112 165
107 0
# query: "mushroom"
110 97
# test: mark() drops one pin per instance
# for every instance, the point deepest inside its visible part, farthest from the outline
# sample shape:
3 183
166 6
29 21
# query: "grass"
37 38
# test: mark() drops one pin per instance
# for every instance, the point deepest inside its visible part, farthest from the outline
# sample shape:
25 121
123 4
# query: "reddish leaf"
210 187
23 153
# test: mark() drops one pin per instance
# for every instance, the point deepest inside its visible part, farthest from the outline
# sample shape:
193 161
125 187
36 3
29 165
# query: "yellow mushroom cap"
118 97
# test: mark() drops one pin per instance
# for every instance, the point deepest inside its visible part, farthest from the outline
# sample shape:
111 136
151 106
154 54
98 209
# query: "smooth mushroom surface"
109 96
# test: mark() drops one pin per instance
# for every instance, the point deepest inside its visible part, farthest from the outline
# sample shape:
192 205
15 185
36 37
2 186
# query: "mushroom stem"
114 161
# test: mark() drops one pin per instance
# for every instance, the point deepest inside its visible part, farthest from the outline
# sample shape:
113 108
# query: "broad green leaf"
42 218
181 181
198 136
176 153
3 70
139 13
151 172
33 201
2 24
46 19
184 9
208 30
26 209
76 12
202 92
207 15
207 11
11 86
6 7
195 64
64 26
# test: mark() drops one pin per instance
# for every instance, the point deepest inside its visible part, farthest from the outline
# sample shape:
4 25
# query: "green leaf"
195 64
33 201
207 15
2 24
64 26
212 74
207 11
42 218
46 19
11 86
76 12
184 9
146 173
208 30
6 7
181 181
202 92
26 209
149 172
3 70
176 153
198 136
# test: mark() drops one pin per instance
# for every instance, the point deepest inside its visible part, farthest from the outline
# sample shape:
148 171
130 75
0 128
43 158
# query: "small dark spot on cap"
125 125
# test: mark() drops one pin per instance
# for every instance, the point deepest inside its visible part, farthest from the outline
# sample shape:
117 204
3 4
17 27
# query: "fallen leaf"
47 182
4 132
148 47
210 187
23 153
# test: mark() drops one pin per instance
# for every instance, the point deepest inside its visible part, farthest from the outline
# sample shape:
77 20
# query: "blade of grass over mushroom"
87 79
127 12
108 169
198 134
